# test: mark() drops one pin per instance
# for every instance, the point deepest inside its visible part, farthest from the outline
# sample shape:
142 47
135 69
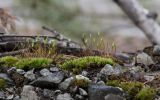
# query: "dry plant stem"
139 16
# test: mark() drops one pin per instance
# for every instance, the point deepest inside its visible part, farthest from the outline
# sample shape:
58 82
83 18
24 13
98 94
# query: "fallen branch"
142 19
12 53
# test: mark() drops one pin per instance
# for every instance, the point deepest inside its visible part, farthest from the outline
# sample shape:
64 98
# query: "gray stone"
110 70
2 95
28 93
45 72
6 77
30 75
114 97
98 92
81 77
49 81
144 58
156 50
66 83
84 73
49 93
54 69
107 70
82 92
101 83
124 57
79 97
20 71
11 70
65 96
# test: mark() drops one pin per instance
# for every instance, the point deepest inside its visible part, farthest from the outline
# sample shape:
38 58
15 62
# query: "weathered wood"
12 53
140 16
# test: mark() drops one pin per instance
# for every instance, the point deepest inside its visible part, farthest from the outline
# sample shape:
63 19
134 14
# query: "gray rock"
98 92
66 83
110 70
20 71
107 70
2 95
149 78
16 98
82 92
101 83
79 97
49 93
10 97
54 69
6 77
144 58
65 96
124 57
114 97
85 79
84 73
156 50
49 81
30 75
11 70
45 72
28 93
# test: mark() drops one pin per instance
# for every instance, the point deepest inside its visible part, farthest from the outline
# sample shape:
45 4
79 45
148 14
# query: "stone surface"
20 71
54 69
98 92
45 72
144 58
113 97
65 96
2 95
30 75
28 93
49 81
156 50
49 93
6 77
66 83
82 92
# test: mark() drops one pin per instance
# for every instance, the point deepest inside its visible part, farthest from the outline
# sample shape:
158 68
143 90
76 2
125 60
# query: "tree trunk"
141 18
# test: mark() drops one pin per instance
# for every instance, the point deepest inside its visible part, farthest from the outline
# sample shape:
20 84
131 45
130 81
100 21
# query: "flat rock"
98 92
49 81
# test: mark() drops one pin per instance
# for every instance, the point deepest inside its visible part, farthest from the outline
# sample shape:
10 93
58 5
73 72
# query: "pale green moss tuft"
82 63
147 93
2 83
8 61
137 90
29 63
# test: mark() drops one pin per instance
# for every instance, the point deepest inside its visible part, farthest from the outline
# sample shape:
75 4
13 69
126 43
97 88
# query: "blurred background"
75 17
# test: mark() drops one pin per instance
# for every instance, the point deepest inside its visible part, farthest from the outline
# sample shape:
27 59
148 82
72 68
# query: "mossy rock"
136 90
8 61
147 93
29 63
79 64
2 83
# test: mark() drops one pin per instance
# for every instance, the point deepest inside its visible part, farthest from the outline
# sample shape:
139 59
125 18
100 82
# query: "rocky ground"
134 76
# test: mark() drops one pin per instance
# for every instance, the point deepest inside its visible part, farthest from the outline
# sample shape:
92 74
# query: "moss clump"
147 93
29 63
79 64
8 61
136 90
81 81
2 83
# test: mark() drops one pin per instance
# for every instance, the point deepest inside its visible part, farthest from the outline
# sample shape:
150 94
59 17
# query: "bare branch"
142 19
